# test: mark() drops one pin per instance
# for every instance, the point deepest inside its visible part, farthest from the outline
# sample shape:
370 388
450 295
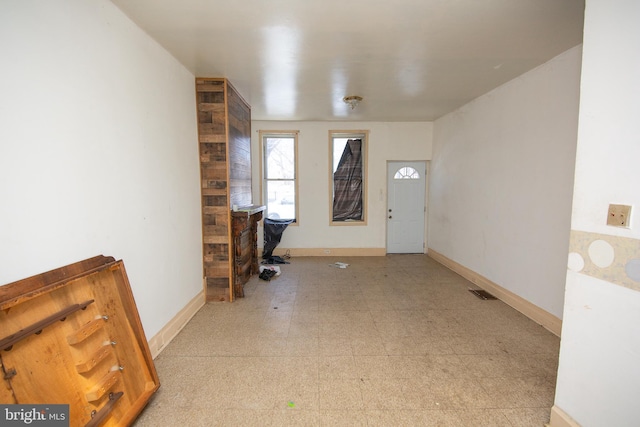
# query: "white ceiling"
411 60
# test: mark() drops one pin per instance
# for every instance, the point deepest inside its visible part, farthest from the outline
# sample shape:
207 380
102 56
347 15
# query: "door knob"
389 216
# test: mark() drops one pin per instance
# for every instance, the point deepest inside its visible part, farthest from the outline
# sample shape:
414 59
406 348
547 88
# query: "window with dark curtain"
347 183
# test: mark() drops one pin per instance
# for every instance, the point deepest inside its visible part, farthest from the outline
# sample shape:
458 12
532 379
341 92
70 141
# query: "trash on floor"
291 404
339 265
270 267
268 272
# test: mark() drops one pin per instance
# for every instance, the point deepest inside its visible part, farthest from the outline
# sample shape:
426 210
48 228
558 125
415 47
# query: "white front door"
406 183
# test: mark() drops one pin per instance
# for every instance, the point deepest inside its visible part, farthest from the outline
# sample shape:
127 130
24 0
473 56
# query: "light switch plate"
619 215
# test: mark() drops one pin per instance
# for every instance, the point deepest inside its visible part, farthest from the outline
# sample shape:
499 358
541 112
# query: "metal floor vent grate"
484 295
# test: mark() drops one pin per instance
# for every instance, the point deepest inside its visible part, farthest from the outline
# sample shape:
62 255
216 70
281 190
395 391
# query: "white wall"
599 374
98 151
387 141
502 178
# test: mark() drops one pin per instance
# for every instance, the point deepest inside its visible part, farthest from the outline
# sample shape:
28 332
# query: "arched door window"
406 172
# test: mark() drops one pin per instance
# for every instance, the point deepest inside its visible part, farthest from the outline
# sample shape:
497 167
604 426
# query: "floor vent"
484 295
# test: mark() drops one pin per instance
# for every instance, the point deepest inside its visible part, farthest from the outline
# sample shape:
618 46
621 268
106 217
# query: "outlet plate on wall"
619 215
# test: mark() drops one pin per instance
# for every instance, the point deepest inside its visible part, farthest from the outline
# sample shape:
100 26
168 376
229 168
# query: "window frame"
349 134
263 134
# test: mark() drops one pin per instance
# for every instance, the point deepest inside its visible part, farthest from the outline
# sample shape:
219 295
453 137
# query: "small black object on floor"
484 295
267 274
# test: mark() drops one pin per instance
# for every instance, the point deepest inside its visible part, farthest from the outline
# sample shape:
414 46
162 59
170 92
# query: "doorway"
406 207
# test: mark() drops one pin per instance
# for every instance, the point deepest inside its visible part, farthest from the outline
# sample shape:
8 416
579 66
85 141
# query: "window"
279 167
406 172
348 177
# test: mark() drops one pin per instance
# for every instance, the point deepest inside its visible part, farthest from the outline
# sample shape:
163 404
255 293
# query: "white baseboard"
532 311
330 251
559 418
175 325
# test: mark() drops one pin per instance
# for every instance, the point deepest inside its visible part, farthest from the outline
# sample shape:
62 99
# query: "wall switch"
619 215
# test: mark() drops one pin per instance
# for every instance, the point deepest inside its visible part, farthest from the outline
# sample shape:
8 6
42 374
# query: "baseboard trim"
175 325
330 251
532 311
559 418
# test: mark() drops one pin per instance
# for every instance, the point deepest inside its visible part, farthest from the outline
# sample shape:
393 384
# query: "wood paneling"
224 135
245 235
239 128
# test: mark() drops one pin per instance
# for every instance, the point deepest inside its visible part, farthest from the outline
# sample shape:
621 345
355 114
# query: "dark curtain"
347 183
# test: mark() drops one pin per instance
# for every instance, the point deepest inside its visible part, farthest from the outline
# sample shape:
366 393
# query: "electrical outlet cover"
619 215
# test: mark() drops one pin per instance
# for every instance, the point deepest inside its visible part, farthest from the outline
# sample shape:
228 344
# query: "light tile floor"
388 341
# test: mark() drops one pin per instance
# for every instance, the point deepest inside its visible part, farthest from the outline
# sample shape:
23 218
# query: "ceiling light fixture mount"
352 100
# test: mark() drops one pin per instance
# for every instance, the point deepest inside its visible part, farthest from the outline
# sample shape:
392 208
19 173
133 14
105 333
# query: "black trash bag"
273 229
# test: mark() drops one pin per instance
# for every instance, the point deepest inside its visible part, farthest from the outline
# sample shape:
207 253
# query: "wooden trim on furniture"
532 311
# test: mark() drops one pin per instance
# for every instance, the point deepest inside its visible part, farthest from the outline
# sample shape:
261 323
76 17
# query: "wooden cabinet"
73 336
224 136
